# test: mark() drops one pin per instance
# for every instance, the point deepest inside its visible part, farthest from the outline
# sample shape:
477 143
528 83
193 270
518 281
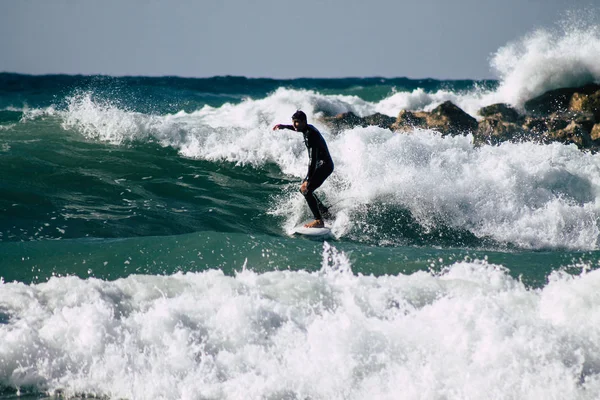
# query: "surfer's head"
299 120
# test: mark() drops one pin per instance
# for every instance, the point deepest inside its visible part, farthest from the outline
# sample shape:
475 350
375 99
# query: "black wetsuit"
320 166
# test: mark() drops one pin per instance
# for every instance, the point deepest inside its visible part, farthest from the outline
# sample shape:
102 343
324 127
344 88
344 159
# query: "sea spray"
547 59
145 249
467 332
518 194
529 195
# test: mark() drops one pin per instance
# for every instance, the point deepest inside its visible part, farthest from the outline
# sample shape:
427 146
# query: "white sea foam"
545 59
12 108
7 127
419 100
33 113
526 194
529 195
568 56
107 122
472 332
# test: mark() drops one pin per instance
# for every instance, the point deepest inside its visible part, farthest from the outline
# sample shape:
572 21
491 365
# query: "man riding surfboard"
320 165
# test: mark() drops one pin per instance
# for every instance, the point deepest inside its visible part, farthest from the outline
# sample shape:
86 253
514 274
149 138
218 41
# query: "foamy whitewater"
530 195
464 334
146 248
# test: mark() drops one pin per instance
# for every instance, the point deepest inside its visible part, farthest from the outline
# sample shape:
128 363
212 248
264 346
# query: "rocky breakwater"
569 115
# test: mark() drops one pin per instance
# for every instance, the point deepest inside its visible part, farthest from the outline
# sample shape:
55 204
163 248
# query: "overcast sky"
441 39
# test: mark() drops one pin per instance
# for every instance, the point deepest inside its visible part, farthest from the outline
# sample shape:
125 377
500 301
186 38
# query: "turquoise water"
145 246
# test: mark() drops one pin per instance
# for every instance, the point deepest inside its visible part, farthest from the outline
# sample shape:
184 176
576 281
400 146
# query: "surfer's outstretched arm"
282 126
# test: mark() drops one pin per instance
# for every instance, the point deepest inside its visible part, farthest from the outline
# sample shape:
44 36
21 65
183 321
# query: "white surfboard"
312 232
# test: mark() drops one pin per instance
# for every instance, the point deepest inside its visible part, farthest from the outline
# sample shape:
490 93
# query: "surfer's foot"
317 223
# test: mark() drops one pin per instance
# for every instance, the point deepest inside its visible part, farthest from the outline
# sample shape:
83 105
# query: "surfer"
320 166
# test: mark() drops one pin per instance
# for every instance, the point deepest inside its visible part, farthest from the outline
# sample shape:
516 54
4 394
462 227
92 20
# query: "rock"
535 125
494 131
446 118
500 111
408 120
583 118
380 120
347 120
572 133
561 127
549 102
450 119
568 115
501 123
595 133
586 103
557 100
556 123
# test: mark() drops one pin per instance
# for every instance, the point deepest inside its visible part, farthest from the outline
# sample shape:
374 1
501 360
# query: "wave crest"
548 59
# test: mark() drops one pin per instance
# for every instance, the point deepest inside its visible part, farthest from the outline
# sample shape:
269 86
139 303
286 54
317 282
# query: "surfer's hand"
276 127
304 187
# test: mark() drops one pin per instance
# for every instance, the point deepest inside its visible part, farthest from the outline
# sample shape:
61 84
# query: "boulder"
595 133
500 111
535 125
556 122
446 118
561 127
586 103
494 131
557 100
567 115
572 133
347 120
583 118
380 120
408 120
450 119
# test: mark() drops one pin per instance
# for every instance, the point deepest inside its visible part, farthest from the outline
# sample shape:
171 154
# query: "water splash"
282 334
547 59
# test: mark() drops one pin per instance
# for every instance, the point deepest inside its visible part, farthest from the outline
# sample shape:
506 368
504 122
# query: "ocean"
146 248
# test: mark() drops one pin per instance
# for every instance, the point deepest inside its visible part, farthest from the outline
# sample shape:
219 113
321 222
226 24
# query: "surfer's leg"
315 205
315 182
322 208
